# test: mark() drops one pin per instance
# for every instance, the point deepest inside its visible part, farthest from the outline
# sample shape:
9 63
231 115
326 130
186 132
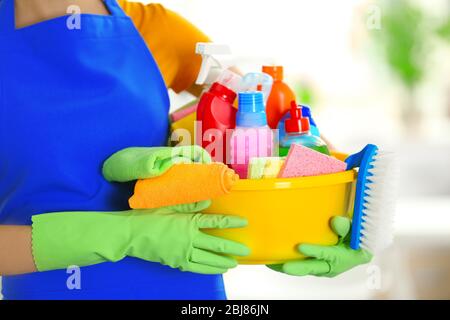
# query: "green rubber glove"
144 163
169 236
327 261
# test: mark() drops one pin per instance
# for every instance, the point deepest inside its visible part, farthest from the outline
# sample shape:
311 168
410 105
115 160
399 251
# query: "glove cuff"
62 240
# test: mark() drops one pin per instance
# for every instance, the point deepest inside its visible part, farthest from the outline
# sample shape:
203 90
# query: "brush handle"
361 160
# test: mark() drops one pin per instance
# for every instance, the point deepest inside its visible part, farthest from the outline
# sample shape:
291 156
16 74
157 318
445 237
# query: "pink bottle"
252 137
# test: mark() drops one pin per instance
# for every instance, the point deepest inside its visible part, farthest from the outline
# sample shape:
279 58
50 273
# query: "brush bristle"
379 203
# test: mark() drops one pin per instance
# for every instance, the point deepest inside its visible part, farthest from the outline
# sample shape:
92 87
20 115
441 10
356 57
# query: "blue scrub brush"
375 198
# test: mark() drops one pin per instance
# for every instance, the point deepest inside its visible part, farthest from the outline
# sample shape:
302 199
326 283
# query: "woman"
69 99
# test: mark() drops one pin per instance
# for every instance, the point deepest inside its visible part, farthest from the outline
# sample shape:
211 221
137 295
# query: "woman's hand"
144 163
327 261
169 236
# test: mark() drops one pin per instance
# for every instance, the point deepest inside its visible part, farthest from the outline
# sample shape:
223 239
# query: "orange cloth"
171 39
183 184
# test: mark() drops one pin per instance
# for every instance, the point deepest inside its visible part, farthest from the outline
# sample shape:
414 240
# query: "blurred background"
373 72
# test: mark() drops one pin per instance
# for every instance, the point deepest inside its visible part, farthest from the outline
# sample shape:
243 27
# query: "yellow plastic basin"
283 213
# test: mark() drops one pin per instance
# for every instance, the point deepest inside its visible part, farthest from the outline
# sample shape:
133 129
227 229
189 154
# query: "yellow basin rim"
296 183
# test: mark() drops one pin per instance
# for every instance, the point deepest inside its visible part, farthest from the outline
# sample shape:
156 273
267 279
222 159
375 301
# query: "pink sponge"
304 162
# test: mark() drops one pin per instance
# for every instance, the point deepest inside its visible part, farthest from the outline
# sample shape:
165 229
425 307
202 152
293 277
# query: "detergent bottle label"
247 143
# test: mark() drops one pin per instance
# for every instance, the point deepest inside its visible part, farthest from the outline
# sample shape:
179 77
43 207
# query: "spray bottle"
214 62
215 111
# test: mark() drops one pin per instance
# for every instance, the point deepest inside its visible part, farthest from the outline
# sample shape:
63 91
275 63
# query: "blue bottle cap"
306 112
252 112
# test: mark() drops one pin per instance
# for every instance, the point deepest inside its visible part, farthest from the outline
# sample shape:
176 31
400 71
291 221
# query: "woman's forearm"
15 250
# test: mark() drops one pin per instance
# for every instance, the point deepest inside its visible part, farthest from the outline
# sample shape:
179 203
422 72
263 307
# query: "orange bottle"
280 98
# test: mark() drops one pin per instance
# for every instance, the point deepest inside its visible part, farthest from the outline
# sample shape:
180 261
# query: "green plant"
403 43
402 40
443 30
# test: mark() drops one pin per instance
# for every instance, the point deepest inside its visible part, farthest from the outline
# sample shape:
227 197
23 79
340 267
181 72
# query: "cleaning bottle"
278 102
298 132
252 137
216 114
306 112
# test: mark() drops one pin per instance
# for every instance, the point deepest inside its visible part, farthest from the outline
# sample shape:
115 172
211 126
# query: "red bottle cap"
276 72
223 92
297 123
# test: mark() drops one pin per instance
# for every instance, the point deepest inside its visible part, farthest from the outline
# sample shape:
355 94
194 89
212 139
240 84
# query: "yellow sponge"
265 168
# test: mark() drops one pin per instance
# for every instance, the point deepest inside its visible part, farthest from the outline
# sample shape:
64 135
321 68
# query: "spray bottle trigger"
211 66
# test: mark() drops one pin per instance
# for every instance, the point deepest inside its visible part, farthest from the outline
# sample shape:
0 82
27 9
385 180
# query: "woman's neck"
29 12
